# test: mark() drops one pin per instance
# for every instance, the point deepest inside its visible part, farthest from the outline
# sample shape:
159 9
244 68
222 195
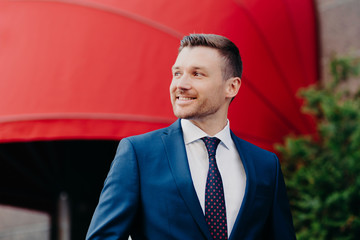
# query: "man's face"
197 90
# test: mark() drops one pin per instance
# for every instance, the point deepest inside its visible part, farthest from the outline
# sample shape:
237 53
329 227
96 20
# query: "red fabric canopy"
100 69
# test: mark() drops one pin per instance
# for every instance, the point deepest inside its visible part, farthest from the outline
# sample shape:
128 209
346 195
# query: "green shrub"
322 172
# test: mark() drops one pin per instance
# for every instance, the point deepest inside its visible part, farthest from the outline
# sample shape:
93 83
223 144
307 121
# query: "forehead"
198 56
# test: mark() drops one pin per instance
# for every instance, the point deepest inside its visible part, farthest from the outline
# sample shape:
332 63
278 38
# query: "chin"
184 115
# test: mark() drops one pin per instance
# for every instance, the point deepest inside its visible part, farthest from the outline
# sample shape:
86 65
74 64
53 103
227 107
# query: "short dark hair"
227 49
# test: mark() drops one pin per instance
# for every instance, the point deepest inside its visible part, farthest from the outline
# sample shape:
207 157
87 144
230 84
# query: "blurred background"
78 76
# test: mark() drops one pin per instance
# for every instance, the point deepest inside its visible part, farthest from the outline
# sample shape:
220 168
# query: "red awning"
100 69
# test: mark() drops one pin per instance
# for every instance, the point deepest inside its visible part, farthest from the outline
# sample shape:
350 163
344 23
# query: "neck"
210 127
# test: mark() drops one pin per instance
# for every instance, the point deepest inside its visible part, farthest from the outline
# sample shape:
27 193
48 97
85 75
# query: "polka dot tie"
215 211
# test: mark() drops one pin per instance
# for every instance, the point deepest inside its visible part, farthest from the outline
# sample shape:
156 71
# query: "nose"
183 82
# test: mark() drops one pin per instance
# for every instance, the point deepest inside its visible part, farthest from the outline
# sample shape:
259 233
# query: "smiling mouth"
185 98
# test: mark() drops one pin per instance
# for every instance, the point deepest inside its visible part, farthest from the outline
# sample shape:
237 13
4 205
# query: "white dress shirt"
229 164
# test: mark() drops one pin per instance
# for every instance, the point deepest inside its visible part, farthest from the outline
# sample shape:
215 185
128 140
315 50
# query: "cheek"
214 90
215 94
172 87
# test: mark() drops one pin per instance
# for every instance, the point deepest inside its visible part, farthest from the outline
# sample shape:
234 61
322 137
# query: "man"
195 179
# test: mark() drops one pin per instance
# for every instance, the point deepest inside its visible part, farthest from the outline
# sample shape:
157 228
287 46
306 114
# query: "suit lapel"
249 190
176 154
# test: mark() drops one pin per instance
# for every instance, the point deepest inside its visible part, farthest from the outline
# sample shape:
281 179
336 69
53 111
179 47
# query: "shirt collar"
193 133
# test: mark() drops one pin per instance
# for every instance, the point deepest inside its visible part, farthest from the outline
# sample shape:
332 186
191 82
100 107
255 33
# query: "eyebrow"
194 67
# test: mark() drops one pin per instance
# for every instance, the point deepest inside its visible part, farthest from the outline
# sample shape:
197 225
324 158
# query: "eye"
198 74
177 74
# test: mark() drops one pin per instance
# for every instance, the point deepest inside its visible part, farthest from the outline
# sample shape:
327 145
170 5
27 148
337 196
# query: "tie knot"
211 144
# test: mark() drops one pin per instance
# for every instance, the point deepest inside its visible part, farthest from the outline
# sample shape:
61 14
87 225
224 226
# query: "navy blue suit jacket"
149 193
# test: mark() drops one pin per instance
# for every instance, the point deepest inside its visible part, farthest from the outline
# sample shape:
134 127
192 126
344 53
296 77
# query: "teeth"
185 98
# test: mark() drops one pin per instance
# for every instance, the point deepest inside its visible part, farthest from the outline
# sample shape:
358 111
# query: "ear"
233 86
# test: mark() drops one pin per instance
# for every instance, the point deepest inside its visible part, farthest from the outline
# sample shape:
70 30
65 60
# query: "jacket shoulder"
250 147
153 136
254 155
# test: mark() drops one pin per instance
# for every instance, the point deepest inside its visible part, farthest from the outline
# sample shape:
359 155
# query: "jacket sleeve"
117 207
281 220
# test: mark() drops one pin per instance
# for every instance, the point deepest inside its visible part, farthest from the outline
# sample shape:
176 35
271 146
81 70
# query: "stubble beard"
197 112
